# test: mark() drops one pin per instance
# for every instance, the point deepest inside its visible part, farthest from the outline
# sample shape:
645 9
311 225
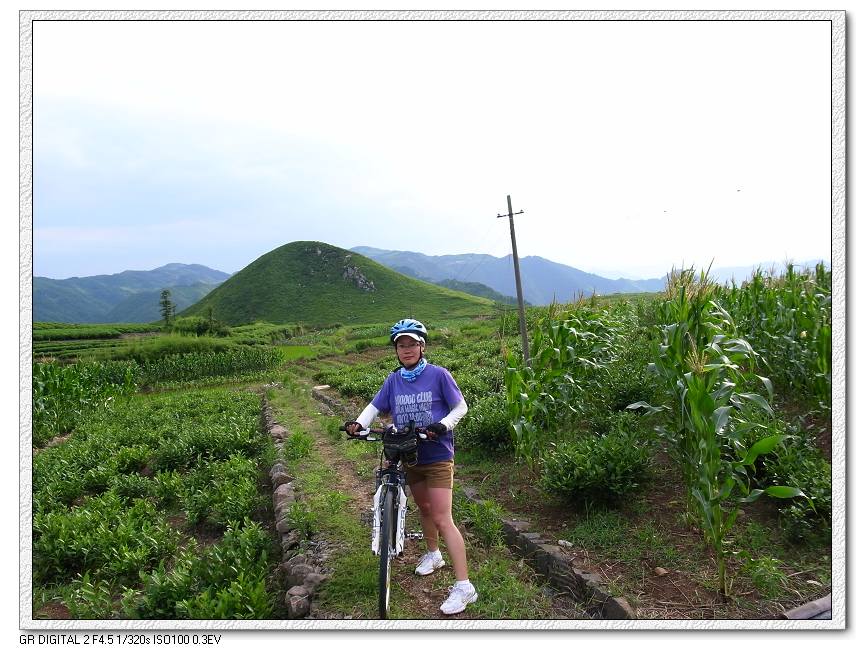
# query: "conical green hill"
320 284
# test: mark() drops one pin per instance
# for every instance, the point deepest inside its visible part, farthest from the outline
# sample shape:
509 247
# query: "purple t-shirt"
426 400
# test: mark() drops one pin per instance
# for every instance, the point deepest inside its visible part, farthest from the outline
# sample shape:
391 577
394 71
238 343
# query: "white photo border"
839 350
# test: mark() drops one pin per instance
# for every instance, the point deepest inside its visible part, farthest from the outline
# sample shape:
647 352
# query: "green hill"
319 284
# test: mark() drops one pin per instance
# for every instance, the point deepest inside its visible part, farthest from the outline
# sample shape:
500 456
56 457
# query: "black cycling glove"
437 429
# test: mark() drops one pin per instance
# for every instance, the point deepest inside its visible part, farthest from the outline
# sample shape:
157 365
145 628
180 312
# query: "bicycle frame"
388 509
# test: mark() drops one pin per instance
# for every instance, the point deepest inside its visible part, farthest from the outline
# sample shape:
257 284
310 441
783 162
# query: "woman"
427 394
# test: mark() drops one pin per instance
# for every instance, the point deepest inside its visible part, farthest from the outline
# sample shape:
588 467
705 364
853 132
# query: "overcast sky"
631 146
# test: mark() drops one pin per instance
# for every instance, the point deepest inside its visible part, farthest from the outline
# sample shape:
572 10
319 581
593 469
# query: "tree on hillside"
166 307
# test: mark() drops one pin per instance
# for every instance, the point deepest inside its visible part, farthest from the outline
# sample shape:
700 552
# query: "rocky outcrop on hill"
354 274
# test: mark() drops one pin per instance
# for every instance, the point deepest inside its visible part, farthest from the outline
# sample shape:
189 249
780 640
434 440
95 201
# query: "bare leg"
420 492
440 502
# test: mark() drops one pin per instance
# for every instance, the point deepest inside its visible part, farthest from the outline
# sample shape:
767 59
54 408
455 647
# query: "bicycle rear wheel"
385 541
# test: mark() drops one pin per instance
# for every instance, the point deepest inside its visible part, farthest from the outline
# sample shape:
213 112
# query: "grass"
294 352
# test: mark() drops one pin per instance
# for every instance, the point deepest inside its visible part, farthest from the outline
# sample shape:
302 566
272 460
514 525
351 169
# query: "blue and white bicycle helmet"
408 327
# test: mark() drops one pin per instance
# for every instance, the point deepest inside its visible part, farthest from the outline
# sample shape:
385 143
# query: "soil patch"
53 611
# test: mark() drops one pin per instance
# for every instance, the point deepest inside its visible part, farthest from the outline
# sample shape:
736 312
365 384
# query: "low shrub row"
118 506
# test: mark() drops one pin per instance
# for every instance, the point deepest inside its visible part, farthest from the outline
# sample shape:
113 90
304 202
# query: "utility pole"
520 306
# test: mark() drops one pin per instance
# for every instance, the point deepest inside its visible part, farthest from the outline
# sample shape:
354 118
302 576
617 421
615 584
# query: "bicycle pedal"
414 535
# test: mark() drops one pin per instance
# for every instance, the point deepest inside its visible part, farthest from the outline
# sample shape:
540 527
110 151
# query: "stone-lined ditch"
302 572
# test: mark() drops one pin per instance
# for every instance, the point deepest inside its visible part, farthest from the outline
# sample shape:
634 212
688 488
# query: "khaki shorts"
437 475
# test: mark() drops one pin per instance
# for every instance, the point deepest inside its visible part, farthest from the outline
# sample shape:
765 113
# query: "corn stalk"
788 319
569 353
705 367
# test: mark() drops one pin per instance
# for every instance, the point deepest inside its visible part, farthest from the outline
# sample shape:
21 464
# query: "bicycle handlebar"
420 431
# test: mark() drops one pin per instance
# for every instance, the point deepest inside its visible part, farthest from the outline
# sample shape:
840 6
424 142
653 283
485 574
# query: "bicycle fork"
399 529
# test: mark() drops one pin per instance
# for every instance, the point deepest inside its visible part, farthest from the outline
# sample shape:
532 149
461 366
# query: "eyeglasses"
408 346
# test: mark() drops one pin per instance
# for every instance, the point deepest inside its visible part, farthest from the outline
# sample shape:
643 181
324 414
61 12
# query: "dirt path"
423 596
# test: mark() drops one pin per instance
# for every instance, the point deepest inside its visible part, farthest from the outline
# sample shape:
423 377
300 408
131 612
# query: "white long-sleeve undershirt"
450 420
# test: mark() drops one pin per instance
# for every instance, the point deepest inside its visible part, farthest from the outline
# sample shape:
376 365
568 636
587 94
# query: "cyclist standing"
428 395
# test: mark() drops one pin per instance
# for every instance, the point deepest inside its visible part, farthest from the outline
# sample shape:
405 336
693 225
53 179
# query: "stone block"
617 609
283 526
278 431
283 490
297 602
280 478
297 574
277 467
289 541
300 558
313 580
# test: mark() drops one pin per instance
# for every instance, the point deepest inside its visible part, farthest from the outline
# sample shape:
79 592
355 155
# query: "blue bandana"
411 375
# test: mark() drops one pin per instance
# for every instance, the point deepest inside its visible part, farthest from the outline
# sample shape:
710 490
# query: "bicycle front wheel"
385 541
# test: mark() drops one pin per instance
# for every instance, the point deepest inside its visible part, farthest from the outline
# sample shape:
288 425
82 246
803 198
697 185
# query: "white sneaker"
429 562
458 598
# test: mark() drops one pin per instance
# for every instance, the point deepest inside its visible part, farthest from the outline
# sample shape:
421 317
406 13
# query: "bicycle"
389 502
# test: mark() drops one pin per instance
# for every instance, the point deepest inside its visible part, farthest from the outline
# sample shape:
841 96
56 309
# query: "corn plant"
789 321
569 353
705 367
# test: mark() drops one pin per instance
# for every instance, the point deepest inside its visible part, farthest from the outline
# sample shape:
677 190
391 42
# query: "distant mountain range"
285 286
543 281
127 297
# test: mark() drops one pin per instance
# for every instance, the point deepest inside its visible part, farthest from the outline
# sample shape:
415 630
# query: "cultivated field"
675 445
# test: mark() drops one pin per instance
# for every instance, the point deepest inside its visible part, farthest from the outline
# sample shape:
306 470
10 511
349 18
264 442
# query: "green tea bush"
199 326
226 580
89 599
131 486
102 536
363 344
486 425
222 493
245 597
628 378
598 469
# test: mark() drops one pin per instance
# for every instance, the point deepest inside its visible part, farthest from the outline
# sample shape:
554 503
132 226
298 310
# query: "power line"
482 261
